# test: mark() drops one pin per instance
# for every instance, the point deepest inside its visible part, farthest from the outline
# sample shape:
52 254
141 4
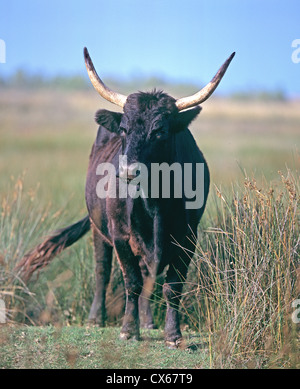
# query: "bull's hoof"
128 336
174 344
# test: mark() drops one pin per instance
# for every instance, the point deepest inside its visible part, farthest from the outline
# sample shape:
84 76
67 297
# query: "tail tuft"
42 254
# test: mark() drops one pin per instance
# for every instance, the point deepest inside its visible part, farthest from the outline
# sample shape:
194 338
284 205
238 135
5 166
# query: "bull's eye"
157 134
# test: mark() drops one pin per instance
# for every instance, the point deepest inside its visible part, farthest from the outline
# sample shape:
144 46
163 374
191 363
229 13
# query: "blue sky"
181 40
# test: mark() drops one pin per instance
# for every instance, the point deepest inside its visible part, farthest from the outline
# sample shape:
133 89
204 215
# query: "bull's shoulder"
186 149
106 146
103 137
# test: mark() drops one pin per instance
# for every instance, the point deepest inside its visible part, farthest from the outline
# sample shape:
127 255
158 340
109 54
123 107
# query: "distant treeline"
23 80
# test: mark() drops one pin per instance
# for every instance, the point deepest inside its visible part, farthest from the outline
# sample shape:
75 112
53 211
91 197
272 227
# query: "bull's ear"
109 120
184 118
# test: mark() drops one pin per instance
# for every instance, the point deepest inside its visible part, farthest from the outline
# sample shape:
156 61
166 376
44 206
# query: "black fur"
143 231
147 234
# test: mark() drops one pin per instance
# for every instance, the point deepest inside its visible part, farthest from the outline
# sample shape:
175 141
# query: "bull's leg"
146 319
172 289
133 287
103 259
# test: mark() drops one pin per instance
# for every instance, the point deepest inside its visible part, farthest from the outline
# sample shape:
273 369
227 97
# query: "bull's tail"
42 254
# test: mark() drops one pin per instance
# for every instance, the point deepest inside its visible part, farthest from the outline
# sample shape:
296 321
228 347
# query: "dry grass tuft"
247 275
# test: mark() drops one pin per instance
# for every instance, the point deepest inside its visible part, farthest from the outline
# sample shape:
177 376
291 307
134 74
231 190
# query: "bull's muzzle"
128 172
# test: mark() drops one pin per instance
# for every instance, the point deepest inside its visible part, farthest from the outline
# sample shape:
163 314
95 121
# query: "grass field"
90 348
245 273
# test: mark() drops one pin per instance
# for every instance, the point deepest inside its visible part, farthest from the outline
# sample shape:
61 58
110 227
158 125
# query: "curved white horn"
204 93
99 85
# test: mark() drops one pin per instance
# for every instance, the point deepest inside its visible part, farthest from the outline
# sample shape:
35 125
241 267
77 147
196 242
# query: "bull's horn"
99 85
204 93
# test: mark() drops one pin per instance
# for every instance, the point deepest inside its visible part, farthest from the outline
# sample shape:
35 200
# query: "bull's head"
149 118
181 104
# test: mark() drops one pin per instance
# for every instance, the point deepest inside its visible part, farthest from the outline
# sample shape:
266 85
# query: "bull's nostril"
129 172
133 171
130 176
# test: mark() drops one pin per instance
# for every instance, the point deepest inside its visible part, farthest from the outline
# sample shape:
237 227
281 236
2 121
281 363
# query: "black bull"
148 233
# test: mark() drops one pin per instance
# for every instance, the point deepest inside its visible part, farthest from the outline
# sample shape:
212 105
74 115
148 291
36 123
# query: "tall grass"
61 294
245 275
19 223
23 222
243 278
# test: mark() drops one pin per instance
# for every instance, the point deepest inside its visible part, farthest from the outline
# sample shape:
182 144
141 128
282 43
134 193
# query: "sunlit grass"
53 347
244 274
